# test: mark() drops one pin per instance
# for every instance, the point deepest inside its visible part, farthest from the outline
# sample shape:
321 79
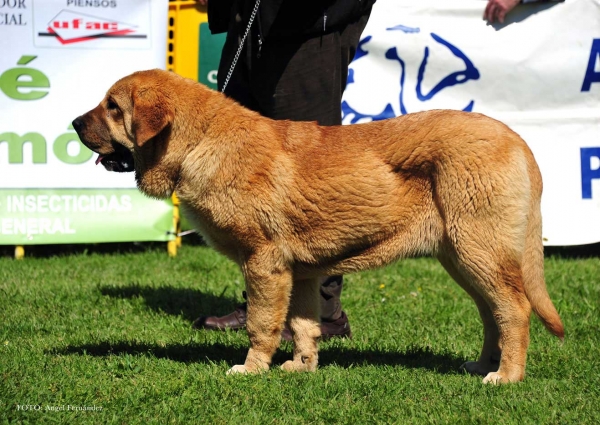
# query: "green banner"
209 55
56 216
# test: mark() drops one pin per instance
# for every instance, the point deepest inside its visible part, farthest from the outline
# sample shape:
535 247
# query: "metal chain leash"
241 46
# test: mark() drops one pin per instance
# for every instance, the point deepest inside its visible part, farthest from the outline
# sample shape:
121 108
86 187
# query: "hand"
496 10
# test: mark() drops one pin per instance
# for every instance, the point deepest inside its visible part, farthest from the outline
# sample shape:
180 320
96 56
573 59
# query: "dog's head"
130 127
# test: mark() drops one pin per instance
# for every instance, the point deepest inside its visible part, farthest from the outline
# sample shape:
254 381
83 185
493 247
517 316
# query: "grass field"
109 329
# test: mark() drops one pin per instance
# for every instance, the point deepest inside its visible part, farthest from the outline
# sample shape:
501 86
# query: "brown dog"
291 201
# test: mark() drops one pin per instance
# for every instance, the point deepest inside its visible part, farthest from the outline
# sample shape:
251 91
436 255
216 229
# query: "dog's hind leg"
511 311
268 287
489 359
498 280
303 319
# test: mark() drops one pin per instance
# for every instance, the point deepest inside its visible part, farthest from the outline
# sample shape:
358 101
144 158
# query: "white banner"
539 73
58 59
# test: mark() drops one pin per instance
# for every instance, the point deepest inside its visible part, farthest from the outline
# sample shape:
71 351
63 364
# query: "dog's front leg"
268 287
303 319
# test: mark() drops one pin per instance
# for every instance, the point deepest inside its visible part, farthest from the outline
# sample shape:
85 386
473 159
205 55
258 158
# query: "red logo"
70 27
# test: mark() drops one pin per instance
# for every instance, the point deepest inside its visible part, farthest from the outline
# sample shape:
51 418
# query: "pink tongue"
99 159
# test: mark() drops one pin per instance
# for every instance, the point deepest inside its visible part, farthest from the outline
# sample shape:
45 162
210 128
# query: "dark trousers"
294 78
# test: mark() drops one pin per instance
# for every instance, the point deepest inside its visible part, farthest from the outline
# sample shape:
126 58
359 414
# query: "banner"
59 57
539 73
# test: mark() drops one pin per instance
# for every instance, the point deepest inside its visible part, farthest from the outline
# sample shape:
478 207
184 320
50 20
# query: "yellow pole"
19 252
175 243
183 32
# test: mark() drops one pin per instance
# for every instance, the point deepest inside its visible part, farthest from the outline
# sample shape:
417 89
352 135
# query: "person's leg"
299 80
304 81
334 321
331 291
238 88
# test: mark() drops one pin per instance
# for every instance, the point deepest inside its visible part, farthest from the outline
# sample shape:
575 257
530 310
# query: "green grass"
112 330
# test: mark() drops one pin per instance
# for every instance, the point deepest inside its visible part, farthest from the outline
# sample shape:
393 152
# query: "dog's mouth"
120 161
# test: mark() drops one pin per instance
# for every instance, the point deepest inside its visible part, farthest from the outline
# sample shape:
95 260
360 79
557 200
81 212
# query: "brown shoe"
339 328
235 320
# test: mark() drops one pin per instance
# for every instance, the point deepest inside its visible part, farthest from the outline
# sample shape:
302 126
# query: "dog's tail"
533 261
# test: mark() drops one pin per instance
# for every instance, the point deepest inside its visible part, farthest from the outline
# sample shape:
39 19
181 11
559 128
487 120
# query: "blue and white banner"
539 72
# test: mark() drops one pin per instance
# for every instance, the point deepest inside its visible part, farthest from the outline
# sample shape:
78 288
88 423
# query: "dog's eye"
111 104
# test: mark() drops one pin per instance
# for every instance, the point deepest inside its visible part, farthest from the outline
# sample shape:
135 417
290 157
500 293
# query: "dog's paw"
494 378
245 369
238 368
305 364
497 378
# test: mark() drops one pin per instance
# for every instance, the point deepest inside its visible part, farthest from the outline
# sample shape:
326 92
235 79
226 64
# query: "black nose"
78 124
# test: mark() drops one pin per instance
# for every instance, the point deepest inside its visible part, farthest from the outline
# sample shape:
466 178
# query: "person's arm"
496 10
219 14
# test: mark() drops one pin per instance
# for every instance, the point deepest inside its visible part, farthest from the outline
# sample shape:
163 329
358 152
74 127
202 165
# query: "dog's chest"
218 228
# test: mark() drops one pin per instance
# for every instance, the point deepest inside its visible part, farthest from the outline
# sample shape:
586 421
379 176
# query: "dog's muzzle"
119 160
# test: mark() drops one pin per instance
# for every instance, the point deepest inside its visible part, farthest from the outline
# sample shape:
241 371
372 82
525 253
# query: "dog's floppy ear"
152 112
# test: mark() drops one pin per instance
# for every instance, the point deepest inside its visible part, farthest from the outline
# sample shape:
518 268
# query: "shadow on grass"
116 248
189 303
345 357
63 250
185 353
411 357
185 302
109 248
573 252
